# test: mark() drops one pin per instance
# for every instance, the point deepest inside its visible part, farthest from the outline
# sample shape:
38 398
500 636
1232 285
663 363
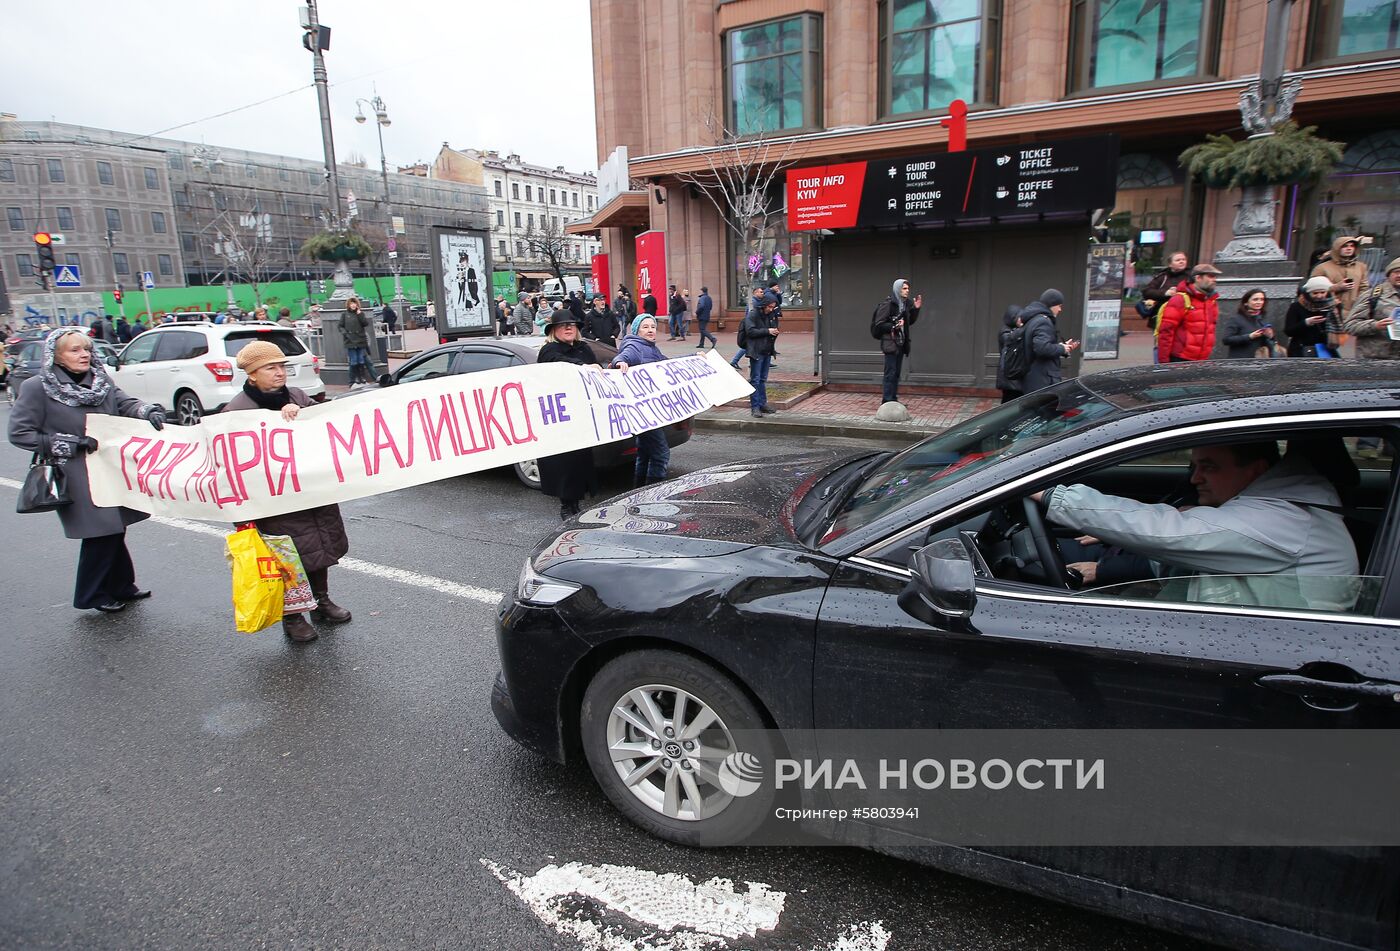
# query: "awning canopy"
536 275
627 210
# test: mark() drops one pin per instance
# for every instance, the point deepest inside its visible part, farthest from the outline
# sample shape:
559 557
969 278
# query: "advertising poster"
651 264
1103 309
602 276
462 278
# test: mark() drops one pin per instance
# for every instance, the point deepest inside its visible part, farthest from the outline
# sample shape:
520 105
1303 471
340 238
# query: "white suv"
189 368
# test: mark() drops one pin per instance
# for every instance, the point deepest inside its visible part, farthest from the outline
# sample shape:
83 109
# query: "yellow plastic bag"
259 581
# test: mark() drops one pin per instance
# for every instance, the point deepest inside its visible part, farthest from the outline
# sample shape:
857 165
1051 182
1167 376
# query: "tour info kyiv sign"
1073 175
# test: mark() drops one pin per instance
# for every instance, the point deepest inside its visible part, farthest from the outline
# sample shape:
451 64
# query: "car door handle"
1301 686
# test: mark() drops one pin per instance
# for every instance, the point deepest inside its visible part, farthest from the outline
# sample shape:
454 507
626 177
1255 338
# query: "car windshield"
285 339
934 464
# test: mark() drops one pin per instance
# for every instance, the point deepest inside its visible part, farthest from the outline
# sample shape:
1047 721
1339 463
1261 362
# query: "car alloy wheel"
657 728
528 472
188 409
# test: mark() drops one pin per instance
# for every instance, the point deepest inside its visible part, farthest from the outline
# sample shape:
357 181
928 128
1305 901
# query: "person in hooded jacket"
1308 318
653 452
893 318
760 334
568 476
1010 389
1047 350
50 418
1343 267
1186 322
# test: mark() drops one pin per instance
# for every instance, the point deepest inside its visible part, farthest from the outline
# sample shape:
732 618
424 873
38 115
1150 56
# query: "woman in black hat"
568 476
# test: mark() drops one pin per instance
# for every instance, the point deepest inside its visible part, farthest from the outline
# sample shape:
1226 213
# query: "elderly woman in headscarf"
50 418
318 533
653 452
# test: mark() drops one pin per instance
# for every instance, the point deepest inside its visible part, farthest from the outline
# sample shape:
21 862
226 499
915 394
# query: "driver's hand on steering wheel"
1039 496
1089 570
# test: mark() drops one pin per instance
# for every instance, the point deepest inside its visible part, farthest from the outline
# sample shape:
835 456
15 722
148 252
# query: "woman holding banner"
318 533
653 452
50 419
569 476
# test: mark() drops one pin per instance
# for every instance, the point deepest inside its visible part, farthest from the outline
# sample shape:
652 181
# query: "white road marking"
676 913
440 585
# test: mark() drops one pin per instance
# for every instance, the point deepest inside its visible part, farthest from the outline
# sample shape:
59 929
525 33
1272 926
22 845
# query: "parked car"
189 366
470 354
923 591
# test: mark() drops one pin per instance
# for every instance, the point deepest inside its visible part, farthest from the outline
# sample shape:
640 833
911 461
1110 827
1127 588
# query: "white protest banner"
236 467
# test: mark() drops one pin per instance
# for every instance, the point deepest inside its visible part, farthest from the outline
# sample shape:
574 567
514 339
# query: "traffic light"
43 244
117 294
323 285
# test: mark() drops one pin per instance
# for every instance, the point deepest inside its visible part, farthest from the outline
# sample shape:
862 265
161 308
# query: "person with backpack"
1162 285
890 325
1186 322
1012 365
760 333
755 303
1043 351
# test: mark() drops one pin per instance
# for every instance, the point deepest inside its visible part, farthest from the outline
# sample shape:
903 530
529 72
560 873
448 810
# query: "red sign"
651 264
824 196
602 276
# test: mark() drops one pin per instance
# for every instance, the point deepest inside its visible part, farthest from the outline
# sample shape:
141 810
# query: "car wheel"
188 409
659 731
528 472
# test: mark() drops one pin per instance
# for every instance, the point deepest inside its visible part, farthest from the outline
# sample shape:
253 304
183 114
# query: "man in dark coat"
760 334
649 303
892 320
123 330
704 304
1047 350
677 309
602 324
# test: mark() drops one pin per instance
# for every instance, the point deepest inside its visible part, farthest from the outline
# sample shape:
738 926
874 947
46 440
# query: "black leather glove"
155 415
87 444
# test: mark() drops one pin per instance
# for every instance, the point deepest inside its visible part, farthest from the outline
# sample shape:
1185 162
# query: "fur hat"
258 354
1318 283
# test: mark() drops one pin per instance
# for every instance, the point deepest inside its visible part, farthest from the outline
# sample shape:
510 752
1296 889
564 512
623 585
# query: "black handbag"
45 487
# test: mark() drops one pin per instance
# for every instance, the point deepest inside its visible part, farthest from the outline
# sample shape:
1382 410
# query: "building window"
1115 43
65 218
114 219
553 222
16 216
284 175
182 200
73 260
528 194
517 219
501 248
575 194
119 263
104 173
519 248
158 222
26 265
531 219
500 218
165 264
7 170
152 179
515 190
1353 28
56 170
590 202
251 171
498 187
552 199
174 161
773 76
187 242
935 51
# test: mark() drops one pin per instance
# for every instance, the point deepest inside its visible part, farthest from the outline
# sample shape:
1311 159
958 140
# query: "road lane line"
384 572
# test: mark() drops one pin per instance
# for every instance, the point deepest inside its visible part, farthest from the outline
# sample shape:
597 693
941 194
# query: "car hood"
713 511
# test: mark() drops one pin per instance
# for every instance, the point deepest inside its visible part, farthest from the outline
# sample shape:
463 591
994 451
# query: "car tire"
528 472
188 409
607 735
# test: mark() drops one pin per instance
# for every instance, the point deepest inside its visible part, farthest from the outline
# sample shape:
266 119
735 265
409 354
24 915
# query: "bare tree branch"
550 242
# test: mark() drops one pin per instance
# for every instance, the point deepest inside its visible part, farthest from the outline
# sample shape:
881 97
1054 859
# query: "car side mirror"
112 361
386 380
943 586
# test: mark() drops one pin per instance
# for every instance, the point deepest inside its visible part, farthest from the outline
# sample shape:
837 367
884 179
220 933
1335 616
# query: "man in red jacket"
1186 322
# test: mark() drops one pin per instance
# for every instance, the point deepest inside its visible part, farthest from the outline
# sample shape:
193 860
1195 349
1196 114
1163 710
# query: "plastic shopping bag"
259 581
298 597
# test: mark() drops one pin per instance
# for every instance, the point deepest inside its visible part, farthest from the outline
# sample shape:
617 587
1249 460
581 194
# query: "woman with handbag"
318 533
50 420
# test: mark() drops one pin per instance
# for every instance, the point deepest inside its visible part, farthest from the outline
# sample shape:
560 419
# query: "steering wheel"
1051 561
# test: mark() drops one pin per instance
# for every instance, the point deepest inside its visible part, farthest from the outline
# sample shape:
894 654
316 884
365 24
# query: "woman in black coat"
1010 389
50 418
568 476
1246 332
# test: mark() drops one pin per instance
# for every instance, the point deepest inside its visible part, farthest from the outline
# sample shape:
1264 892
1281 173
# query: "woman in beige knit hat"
319 533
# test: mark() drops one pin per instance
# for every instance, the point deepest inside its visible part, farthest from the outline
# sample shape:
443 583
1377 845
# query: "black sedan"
472 354
926 590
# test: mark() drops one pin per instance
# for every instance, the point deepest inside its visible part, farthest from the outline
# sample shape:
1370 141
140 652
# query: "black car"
470 354
923 591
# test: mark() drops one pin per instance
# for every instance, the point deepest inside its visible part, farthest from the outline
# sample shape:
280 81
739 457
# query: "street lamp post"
381 119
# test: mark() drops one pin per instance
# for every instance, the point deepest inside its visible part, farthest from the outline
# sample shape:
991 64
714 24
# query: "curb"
818 426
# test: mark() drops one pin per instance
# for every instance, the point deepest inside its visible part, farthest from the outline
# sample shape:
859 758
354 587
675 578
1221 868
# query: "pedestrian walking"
653 452
677 308
568 476
1374 320
1346 272
1245 332
755 303
704 304
502 308
1307 319
602 324
1161 286
1010 388
355 331
284 317
1043 344
122 330
50 418
649 305
137 328
103 330
524 317
890 325
760 333
318 533
624 307
1186 322
390 318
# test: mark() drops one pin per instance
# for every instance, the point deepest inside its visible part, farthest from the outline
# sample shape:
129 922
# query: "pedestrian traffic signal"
323 287
43 243
117 294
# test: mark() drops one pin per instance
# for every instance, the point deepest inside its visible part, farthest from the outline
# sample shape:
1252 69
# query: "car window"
180 345
141 349
472 361
286 340
430 367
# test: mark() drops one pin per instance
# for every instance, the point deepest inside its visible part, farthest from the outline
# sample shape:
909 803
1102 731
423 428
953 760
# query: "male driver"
1265 532
1186 322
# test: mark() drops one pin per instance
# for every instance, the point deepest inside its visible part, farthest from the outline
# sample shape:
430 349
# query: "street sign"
393 255
148 280
391 245
67 275
56 238
398 224
352 205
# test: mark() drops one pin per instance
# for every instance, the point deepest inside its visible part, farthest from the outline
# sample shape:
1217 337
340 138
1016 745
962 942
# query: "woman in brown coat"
318 533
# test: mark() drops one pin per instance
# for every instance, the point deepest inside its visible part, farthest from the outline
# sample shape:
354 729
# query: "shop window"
1147 214
1342 28
935 51
772 255
773 76
1119 43
1362 197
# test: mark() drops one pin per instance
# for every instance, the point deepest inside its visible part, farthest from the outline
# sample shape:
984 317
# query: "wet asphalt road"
166 783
